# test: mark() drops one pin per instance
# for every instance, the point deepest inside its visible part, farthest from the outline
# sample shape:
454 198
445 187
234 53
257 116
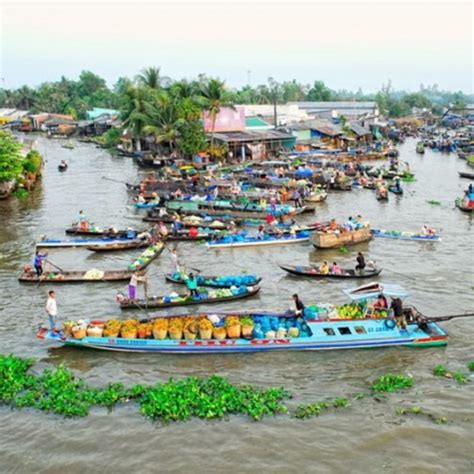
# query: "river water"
367 437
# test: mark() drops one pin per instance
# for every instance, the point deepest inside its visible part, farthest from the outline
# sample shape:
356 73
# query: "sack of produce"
293 332
95 331
270 334
79 332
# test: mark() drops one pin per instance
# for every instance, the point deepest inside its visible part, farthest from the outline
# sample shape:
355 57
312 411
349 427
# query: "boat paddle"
55 266
400 274
448 317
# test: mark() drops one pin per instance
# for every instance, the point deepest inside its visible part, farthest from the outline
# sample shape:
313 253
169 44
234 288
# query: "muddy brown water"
368 437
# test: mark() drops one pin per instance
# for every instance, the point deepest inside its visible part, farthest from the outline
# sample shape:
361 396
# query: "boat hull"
258 243
155 304
415 237
377 334
311 272
325 240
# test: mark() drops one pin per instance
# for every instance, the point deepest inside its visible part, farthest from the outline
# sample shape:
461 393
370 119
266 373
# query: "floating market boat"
100 232
324 328
463 174
395 234
316 197
62 167
89 276
117 245
71 243
150 254
461 204
223 295
194 221
312 271
237 241
327 239
223 281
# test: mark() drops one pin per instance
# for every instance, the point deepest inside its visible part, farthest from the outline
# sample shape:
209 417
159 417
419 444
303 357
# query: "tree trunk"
214 118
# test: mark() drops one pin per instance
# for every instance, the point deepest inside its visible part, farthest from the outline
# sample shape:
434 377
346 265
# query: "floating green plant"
470 366
433 202
343 249
459 377
440 370
392 383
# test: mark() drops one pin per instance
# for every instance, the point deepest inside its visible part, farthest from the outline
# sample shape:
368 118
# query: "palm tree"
134 114
164 121
214 98
151 77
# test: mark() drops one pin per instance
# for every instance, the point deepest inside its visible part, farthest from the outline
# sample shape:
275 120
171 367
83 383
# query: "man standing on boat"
38 263
299 306
360 262
397 307
52 310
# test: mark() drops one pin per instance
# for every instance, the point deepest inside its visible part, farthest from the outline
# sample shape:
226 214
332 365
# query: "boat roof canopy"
373 289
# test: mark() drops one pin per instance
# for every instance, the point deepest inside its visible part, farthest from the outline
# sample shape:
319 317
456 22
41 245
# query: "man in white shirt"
52 310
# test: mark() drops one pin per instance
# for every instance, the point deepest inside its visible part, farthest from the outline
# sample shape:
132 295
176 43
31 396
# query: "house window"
329 331
344 331
360 330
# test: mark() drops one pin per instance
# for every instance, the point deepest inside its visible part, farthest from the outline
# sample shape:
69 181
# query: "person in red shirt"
269 219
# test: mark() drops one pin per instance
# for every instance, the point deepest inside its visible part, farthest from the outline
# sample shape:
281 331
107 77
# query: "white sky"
345 44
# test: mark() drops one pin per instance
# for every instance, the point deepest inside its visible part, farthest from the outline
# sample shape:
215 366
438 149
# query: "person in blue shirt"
38 262
192 284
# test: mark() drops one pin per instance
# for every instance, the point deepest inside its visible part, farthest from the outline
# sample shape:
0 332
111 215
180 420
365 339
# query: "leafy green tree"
134 113
214 98
319 92
11 161
151 77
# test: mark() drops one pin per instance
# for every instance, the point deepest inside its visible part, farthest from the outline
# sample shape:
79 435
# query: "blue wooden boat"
70 243
237 241
394 234
222 281
147 205
313 333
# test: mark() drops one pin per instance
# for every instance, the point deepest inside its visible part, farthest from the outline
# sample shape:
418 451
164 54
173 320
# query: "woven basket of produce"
79 332
219 333
160 333
176 333
190 336
247 331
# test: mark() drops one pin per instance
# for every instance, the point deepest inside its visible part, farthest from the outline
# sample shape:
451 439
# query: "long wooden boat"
117 245
327 240
98 232
316 197
313 272
229 242
76 276
392 234
72 243
228 205
460 204
227 213
463 174
215 281
321 335
157 302
194 221
150 254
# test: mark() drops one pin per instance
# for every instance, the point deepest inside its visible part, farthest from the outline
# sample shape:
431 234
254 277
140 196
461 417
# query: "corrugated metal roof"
336 105
254 122
358 129
252 136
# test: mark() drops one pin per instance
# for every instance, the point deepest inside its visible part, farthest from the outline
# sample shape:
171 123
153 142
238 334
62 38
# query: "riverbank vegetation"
59 391
17 172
